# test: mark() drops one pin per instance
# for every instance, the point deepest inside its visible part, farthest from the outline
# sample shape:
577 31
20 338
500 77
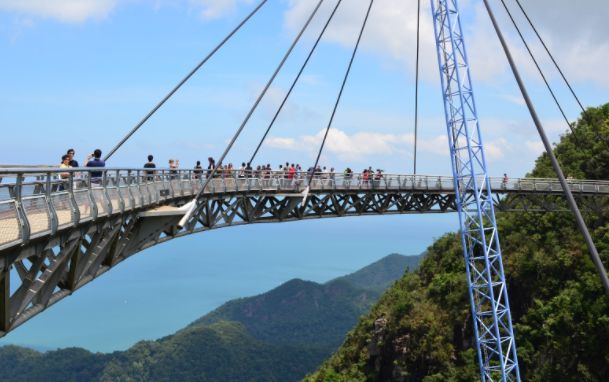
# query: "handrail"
38 202
274 173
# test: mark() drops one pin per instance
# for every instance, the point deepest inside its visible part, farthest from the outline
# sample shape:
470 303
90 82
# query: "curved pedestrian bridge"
60 229
35 203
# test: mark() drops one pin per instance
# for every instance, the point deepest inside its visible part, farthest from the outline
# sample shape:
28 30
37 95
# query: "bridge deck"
34 204
59 229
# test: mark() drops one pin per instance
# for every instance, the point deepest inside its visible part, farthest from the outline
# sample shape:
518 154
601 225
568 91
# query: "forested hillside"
279 336
421 329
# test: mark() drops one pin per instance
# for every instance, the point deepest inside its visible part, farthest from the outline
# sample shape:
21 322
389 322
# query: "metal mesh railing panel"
10 228
84 203
230 184
115 199
37 212
100 201
218 185
176 187
63 208
136 191
196 185
161 190
124 191
187 186
152 194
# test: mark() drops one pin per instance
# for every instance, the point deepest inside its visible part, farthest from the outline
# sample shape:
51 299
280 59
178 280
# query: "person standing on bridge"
198 170
150 164
211 166
292 172
73 162
94 160
65 163
347 175
365 177
228 171
173 168
378 177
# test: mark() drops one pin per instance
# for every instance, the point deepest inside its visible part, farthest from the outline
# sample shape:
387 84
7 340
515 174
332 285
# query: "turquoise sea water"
164 288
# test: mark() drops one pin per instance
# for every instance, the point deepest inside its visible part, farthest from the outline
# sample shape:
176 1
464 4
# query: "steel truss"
495 342
47 269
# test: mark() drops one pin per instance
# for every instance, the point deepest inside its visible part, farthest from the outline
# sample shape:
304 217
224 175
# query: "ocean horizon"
164 288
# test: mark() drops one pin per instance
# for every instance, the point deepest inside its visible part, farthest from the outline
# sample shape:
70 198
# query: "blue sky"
82 73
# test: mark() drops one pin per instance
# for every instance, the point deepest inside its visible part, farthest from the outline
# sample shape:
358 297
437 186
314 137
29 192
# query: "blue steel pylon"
488 294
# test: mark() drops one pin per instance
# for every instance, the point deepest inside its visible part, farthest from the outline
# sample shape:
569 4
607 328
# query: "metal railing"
38 202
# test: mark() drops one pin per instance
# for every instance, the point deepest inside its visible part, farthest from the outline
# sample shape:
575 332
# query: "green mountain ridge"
379 275
298 312
421 328
280 335
208 353
311 313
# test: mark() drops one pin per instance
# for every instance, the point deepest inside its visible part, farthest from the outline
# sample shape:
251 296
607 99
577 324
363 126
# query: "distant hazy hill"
380 275
277 336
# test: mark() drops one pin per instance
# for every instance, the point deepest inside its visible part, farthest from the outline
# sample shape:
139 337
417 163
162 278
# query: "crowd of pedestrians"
289 171
93 160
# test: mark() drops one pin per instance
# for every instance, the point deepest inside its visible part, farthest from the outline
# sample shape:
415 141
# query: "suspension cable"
545 80
551 56
340 93
571 127
210 176
581 224
302 68
184 80
416 87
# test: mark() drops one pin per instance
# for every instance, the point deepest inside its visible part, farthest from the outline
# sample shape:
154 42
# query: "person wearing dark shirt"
211 166
173 168
198 170
150 164
94 160
73 162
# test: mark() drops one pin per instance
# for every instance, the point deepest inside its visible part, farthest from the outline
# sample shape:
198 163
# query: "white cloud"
535 147
350 147
495 150
282 143
358 145
515 99
390 31
78 11
364 146
71 11
581 48
436 146
214 9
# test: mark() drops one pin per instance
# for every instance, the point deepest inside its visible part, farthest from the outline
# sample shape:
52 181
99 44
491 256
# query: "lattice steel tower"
486 280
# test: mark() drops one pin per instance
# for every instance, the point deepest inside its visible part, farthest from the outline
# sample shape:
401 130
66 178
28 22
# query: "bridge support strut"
496 346
5 290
